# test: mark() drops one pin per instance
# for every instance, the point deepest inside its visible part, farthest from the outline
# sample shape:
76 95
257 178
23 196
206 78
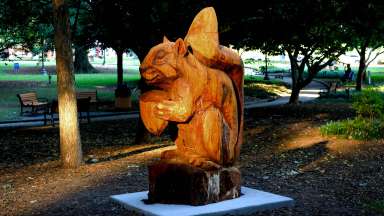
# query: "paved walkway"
311 92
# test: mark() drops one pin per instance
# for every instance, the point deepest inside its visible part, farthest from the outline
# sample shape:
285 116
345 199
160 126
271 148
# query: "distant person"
16 67
347 74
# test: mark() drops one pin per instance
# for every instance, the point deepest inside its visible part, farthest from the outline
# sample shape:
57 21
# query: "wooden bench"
83 105
88 94
30 100
333 86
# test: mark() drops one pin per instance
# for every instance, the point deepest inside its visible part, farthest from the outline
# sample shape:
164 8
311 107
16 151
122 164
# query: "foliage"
25 23
369 123
369 104
365 28
308 31
250 61
358 128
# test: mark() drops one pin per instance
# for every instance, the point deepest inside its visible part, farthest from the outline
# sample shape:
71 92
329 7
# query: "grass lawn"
12 84
257 87
377 72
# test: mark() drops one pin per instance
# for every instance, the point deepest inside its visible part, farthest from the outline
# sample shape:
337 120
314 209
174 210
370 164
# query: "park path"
309 93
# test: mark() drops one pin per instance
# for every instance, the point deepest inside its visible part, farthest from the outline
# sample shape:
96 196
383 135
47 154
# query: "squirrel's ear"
180 46
165 39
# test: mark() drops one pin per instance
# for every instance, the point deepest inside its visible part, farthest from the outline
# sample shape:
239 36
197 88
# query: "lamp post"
266 77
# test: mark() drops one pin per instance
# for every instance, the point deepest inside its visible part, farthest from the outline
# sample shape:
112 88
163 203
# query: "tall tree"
26 28
83 37
366 30
32 28
308 31
113 23
70 143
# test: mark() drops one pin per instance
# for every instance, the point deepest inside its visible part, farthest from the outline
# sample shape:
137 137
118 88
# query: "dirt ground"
283 153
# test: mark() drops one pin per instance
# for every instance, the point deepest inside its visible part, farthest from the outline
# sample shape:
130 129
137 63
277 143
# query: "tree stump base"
179 183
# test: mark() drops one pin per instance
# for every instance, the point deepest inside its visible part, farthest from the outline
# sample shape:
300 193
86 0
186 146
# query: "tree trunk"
82 64
294 98
360 72
70 143
119 54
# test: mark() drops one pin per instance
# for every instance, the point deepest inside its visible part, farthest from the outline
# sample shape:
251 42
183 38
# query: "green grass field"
12 84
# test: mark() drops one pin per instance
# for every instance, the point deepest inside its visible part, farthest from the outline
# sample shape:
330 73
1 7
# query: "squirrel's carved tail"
203 38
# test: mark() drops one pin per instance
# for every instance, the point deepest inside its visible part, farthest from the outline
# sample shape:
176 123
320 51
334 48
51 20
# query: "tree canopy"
312 33
365 28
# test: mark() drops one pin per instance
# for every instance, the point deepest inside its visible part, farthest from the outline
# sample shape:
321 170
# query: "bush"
369 123
369 104
358 128
250 61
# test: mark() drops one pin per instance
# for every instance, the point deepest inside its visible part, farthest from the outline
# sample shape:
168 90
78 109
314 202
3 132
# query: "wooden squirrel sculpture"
199 85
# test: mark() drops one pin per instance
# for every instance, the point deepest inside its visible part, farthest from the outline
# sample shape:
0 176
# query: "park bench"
330 87
333 86
88 94
83 105
30 100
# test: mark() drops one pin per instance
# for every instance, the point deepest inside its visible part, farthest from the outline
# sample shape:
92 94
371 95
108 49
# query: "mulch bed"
283 153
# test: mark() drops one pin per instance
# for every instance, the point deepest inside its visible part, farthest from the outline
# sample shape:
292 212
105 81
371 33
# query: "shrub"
250 61
369 103
358 128
369 123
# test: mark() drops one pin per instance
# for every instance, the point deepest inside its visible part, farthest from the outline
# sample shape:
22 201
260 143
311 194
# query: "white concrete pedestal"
249 202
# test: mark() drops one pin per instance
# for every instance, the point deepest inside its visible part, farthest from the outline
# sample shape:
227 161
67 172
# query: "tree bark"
119 54
294 98
295 74
360 72
81 63
70 143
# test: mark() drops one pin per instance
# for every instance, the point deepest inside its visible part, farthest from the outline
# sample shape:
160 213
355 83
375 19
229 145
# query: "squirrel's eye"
160 55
